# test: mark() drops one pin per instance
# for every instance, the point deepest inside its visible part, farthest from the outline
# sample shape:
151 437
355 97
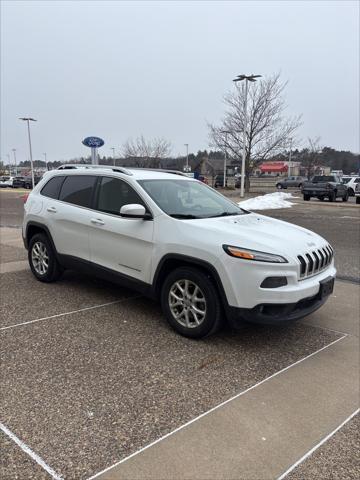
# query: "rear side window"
78 189
52 188
113 193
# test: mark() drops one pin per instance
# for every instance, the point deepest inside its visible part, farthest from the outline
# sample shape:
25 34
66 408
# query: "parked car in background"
219 181
291 182
6 182
357 193
325 186
350 182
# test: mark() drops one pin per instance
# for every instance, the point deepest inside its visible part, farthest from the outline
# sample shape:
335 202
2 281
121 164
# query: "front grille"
315 261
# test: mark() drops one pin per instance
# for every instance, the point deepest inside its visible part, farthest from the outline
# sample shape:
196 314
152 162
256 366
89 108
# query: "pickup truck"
325 186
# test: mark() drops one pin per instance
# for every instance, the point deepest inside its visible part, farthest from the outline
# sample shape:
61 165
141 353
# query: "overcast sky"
121 69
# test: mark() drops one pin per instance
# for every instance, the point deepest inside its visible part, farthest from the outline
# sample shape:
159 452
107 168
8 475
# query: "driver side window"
113 193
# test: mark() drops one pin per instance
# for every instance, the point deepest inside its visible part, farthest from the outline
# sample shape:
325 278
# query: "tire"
332 197
345 198
42 259
279 186
351 192
357 200
188 278
306 197
300 186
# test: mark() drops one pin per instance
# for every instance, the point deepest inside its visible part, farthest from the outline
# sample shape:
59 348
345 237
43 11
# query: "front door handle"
97 221
51 209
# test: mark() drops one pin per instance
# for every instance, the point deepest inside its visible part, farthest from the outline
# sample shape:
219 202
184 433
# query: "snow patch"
270 201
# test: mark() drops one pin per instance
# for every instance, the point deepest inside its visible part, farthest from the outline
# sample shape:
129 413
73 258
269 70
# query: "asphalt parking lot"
91 374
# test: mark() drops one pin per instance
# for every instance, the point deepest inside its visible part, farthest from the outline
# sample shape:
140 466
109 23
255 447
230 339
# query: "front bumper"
276 314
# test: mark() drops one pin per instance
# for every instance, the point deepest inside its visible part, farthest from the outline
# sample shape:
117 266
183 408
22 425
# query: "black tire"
357 200
332 197
345 198
279 186
306 197
53 270
351 192
212 319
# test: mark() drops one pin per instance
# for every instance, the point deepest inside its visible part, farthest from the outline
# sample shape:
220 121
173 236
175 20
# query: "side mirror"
133 210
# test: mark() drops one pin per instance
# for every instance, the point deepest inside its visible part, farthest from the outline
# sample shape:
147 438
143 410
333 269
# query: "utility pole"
9 160
247 78
46 165
28 120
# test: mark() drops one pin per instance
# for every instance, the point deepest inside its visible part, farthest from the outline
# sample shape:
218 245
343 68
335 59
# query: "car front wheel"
42 259
191 303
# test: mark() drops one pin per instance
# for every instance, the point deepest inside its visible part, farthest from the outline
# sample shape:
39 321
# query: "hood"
259 232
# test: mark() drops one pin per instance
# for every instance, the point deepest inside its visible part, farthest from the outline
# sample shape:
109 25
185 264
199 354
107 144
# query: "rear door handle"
97 221
51 209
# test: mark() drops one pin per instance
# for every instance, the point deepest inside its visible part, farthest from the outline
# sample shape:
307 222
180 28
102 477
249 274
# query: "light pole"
28 120
8 155
289 167
113 150
46 165
14 152
247 78
225 155
187 156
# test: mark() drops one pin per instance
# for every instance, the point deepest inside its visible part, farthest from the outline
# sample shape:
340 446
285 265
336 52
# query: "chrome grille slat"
315 261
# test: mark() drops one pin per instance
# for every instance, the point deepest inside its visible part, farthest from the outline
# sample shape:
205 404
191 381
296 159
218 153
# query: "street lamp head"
28 119
251 78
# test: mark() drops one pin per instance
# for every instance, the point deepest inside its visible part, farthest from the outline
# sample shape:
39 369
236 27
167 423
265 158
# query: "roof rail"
72 166
163 170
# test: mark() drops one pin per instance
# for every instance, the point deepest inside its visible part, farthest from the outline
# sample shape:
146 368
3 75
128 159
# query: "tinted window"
77 189
52 188
114 193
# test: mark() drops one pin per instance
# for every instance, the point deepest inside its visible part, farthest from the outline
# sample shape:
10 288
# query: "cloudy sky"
120 69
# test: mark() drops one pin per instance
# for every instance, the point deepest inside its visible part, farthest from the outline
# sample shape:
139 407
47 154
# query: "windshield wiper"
226 214
183 216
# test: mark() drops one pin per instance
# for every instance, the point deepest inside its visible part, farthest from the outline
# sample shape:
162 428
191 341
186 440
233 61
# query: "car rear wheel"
279 186
332 197
42 259
191 303
357 200
351 192
306 198
345 198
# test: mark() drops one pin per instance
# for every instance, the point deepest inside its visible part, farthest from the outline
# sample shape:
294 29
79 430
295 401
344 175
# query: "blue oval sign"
93 142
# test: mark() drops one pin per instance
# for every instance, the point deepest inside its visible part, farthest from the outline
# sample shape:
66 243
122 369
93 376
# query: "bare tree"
267 131
147 153
311 157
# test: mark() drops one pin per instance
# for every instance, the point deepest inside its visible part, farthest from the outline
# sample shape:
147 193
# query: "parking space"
91 372
87 389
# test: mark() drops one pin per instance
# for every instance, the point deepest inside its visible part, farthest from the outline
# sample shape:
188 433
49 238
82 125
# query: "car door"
68 214
121 244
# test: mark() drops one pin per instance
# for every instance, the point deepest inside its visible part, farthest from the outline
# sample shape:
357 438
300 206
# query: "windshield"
186 199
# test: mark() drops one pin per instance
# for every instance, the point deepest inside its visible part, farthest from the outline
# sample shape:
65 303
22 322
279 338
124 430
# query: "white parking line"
32 454
310 452
215 408
69 313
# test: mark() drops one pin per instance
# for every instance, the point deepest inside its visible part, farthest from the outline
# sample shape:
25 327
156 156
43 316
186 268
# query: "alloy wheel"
187 303
40 258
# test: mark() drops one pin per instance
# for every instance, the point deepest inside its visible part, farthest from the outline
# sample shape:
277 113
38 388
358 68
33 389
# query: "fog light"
274 282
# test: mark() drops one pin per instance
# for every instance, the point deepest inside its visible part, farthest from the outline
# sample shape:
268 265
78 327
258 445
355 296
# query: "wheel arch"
33 228
170 262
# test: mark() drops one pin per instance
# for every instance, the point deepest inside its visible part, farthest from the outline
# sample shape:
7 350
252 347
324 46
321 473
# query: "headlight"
253 255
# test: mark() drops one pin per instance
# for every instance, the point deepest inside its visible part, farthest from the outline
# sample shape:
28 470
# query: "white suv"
176 239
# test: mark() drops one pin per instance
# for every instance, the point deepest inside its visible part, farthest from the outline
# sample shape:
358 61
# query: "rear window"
78 189
52 188
324 178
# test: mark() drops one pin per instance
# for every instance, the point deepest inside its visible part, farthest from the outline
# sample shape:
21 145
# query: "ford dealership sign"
93 142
